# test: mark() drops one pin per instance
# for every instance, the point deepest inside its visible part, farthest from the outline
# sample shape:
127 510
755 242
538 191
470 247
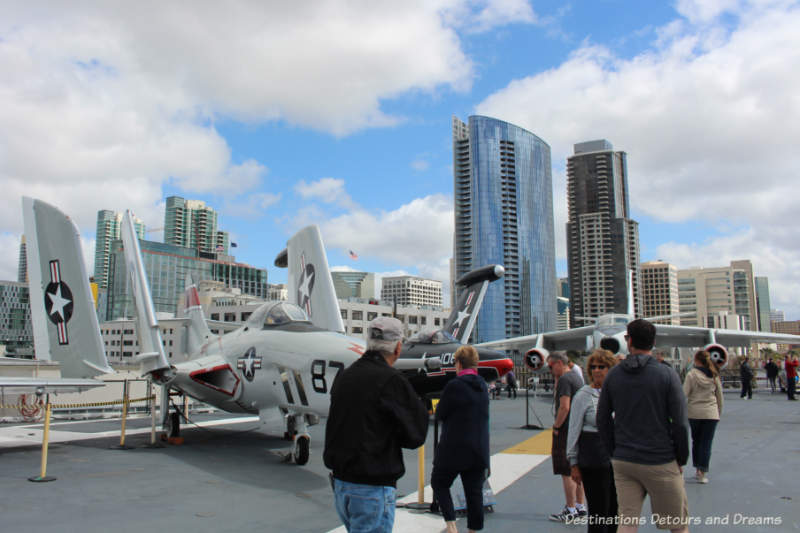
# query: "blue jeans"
702 437
365 508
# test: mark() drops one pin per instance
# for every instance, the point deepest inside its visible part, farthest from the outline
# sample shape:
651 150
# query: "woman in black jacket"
464 445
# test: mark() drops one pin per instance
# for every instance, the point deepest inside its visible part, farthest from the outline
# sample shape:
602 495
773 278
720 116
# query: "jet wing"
49 385
690 336
568 339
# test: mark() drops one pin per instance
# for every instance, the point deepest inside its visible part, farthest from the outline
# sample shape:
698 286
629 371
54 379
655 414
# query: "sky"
283 114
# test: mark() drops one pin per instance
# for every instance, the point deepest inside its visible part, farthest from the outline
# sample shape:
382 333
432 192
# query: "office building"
16 332
356 314
775 315
762 302
503 196
168 268
659 291
353 284
562 317
22 268
109 224
602 239
193 224
411 290
708 291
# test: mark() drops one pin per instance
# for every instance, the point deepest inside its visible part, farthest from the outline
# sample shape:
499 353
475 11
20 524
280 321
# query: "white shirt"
578 371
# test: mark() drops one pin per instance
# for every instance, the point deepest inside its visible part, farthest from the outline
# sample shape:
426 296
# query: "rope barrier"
77 405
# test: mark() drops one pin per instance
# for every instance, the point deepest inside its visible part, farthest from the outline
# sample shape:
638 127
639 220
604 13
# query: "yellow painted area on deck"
540 444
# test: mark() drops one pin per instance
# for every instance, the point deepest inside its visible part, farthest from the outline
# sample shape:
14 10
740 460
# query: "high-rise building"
709 291
167 268
108 230
193 224
602 239
762 302
659 291
412 290
15 315
775 315
503 196
22 269
354 284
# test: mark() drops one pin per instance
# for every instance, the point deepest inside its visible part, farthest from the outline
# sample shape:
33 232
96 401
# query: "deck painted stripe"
28 435
507 467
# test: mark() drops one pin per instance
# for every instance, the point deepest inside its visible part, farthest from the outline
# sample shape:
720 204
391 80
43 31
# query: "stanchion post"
125 401
421 474
151 391
45 443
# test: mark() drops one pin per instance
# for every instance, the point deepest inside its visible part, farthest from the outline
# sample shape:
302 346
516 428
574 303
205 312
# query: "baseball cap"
385 328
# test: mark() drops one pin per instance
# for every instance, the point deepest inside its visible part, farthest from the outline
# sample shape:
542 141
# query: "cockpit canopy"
274 314
438 336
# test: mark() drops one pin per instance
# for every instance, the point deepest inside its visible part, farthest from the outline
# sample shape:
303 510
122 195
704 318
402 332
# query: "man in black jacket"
746 377
642 419
374 413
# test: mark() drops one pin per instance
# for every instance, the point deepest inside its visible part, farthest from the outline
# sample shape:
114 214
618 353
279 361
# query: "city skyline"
347 124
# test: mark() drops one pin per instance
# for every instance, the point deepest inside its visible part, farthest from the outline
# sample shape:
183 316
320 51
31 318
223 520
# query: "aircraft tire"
301 451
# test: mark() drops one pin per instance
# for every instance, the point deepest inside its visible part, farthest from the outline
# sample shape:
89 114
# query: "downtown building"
412 291
503 197
712 293
762 302
109 224
602 239
168 267
16 332
659 292
348 284
193 224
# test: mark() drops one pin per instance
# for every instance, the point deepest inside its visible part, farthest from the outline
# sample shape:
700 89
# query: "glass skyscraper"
108 228
193 224
503 196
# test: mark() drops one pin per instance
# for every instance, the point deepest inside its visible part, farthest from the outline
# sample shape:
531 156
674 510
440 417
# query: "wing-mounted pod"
309 281
474 284
718 354
65 327
151 357
535 358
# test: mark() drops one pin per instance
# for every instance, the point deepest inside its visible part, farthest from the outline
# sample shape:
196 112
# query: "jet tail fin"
309 281
152 357
65 327
462 319
198 332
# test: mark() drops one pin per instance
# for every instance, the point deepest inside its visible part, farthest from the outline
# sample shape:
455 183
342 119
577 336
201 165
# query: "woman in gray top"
589 460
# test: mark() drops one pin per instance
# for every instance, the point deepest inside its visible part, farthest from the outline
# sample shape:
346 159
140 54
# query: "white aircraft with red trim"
279 364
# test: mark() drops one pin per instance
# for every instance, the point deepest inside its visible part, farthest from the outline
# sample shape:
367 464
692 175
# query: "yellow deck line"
540 444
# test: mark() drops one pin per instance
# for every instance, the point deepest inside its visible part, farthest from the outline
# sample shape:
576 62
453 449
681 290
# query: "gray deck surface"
232 479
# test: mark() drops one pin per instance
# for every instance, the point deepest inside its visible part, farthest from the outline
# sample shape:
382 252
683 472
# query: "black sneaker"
564 516
582 511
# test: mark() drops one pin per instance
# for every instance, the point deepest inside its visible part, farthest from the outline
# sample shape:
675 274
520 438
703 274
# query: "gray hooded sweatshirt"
641 414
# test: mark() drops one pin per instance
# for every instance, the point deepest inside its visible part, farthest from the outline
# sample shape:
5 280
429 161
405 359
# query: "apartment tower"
602 239
504 215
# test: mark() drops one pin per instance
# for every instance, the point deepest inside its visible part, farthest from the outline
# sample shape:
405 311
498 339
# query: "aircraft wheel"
301 450
173 425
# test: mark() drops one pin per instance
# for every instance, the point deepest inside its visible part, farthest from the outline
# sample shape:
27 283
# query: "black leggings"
601 496
472 480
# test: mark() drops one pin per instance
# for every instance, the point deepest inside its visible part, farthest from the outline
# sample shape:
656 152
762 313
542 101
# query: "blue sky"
339 114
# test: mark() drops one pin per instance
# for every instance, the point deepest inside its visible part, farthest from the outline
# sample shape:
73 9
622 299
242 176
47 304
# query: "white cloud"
709 118
102 104
327 190
420 165
417 235
251 206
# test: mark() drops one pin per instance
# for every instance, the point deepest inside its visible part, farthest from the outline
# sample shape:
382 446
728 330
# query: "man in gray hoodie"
642 419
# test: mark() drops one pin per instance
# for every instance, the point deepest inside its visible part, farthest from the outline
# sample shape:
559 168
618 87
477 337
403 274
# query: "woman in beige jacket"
704 394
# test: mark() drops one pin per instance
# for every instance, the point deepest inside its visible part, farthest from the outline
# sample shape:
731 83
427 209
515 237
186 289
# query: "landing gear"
297 430
301 449
172 425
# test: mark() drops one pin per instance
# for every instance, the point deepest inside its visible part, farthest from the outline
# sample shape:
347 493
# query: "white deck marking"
26 435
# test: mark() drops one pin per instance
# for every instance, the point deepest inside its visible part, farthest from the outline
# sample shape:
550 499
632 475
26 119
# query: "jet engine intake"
535 358
718 354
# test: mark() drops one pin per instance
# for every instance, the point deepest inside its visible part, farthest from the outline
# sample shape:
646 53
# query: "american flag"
353 255
220 248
